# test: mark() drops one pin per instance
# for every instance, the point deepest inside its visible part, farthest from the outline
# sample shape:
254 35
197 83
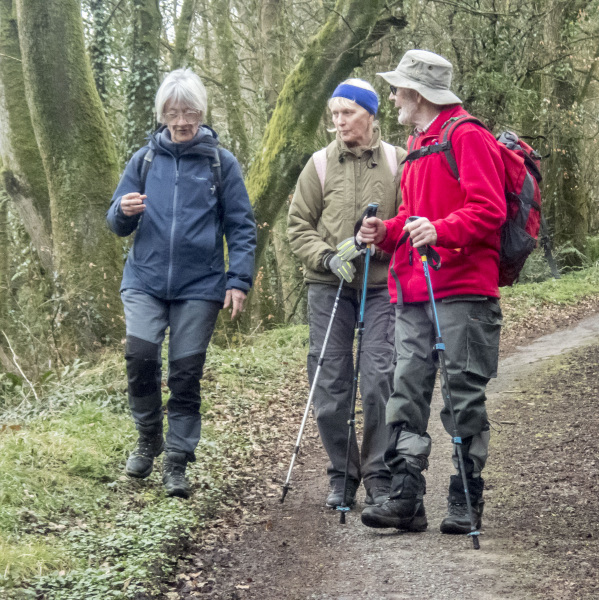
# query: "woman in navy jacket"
180 194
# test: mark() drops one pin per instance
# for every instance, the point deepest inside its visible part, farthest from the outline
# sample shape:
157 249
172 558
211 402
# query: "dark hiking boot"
173 475
458 520
404 509
335 497
377 494
141 461
403 513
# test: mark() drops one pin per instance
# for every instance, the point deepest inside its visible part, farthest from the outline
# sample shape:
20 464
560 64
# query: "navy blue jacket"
178 251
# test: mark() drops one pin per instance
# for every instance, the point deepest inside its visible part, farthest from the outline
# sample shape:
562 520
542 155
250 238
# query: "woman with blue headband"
332 193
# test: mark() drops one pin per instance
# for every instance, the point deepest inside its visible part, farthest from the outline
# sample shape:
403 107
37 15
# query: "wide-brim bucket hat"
427 73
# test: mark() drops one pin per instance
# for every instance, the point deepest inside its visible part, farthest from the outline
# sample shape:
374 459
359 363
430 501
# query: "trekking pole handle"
371 212
421 249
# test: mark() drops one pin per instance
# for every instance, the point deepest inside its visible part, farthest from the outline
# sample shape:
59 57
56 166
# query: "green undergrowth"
571 289
72 526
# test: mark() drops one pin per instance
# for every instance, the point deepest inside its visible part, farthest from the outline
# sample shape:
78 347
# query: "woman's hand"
373 231
235 299
133 204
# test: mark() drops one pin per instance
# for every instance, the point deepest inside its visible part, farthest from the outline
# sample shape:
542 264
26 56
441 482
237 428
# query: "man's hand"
422 232
133 204
235 299
373 231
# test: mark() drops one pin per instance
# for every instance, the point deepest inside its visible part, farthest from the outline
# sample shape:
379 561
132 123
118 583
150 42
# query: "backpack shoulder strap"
145 167
215 166
446 133
320 162
391 156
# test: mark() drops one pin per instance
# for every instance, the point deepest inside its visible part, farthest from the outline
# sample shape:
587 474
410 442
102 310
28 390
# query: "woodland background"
77 83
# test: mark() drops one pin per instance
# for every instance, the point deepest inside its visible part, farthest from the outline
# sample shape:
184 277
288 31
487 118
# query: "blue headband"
364 98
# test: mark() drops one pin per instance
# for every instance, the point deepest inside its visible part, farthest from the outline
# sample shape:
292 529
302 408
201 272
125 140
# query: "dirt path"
300 551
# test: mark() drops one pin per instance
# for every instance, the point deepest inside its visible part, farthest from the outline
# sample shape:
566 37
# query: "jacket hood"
205 138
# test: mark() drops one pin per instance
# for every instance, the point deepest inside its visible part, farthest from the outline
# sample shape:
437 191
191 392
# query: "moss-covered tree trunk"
566 192
23 173
231 84
99 48
5 362
142 83
80 164
338 48
180 56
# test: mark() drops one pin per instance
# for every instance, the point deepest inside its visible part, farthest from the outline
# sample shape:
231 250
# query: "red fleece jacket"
467 215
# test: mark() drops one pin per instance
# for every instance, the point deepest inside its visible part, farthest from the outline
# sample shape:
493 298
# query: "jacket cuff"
326 260
238 284
441 230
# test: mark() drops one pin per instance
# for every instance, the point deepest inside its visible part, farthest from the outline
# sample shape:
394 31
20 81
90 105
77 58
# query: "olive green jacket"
355 177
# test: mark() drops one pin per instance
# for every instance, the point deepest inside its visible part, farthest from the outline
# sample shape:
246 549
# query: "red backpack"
524 220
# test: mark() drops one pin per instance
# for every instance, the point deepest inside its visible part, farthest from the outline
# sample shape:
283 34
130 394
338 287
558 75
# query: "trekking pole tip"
475 542
285 490
342 509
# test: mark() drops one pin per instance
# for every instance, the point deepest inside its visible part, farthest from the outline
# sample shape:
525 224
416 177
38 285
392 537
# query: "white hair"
339 103
184 87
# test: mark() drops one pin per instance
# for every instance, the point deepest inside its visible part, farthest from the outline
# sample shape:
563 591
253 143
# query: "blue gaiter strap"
364 98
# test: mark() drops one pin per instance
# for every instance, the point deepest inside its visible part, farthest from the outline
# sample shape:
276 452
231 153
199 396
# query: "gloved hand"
342 268
347 250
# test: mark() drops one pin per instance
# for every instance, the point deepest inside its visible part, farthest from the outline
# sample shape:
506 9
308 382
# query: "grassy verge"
72 525
575 288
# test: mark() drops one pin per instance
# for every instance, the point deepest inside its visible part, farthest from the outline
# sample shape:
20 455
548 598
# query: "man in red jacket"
461 218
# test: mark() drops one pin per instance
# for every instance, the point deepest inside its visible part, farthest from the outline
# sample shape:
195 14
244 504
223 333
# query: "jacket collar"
437 125
358 151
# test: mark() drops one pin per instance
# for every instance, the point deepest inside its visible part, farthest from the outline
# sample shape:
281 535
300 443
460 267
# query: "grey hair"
182 86
337 103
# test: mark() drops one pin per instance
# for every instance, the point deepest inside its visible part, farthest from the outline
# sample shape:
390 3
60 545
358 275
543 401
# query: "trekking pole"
287 484
370 212
440 348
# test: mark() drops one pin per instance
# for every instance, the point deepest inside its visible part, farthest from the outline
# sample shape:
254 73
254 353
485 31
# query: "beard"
405 115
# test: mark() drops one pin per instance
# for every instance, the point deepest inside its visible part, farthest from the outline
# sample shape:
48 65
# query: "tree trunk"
99 49
142 82
180 57
80 163
271 23
231 83
290 279
565 189
288 141
4 274
23 173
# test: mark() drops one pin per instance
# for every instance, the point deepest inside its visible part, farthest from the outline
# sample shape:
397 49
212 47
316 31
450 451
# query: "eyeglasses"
191 117
393 90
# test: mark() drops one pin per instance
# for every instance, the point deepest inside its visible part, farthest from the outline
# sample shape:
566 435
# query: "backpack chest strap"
426 150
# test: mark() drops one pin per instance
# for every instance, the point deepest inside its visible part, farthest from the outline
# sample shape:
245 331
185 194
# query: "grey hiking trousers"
332 396
470 328
191 324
